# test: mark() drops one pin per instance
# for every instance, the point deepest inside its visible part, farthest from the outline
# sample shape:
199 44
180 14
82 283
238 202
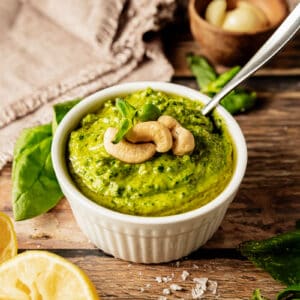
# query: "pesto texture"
164 185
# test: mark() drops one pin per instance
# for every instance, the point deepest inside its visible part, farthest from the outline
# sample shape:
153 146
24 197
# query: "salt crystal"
177 264
166 279
175 287
195 266
148 285
184 275
142 290
162 298
158 279
197 293
201 282
212 286
166 292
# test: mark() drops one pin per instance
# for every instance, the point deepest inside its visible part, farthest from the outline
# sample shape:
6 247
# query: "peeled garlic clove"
256 10
242 20
215 12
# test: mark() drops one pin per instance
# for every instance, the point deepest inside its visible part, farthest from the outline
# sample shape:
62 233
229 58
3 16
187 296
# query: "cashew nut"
151 131
125 151
184 141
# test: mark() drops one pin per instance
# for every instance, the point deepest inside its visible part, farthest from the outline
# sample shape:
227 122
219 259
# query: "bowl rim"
193 14
88 104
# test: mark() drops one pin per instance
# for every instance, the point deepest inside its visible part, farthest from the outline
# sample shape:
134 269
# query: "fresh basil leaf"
238 101
201 69
279 256
35 187
124 128
216 85
149 112
128 113
257 295
210 83
290 293
60 110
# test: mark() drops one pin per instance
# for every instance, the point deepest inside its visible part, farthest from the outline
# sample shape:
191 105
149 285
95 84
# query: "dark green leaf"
60 110
124 128
202 70
290 293
35 187
257 296
280 256
216 85
128 113
149 112
239 101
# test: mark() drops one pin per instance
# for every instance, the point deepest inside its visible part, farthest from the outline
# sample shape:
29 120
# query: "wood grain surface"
266 204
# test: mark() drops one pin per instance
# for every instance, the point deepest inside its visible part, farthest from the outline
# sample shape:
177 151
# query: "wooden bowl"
227 47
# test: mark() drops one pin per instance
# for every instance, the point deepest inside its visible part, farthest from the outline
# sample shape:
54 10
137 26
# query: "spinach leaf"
202 70
35 187
290 293
210 83
279 256
216 85
60 110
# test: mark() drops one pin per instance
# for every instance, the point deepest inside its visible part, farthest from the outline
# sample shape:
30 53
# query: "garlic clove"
256 10
215 12
241 19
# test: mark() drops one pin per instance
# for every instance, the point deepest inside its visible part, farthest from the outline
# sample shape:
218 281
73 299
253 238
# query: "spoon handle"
278 39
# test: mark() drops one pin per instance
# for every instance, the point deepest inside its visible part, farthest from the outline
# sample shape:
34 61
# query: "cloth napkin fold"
52 51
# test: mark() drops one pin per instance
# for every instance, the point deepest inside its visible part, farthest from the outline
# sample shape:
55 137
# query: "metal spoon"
278 39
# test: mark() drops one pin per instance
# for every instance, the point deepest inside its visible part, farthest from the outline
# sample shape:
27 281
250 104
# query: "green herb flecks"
257 295
210 83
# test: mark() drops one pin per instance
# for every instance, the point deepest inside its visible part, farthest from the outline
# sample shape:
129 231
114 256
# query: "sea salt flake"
201 282
195 266
158 279
177 264
166 292
175 287
184 275
212 286
148 285
166 279
162 298
197 293
142 290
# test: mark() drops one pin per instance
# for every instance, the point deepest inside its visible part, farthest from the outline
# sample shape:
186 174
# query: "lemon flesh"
8 240
42 275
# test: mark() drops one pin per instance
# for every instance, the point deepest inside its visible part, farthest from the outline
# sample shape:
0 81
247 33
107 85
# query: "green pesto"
164 185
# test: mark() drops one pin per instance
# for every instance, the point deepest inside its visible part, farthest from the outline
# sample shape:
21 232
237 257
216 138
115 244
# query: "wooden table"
267 203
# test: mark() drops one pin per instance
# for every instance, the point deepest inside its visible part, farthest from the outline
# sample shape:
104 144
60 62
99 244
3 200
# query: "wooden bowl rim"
193 14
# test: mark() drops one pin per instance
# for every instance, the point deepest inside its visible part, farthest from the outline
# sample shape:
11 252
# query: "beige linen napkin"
53 50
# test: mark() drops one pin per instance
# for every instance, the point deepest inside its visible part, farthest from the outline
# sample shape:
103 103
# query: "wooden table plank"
236 278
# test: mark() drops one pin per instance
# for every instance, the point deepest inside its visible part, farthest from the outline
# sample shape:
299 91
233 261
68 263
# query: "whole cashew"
184 141
125 151
151 131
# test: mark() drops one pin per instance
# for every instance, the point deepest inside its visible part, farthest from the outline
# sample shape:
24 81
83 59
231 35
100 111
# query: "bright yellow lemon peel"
43 275
8 239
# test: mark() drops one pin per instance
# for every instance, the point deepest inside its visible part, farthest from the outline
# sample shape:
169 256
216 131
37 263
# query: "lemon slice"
8 239
37 274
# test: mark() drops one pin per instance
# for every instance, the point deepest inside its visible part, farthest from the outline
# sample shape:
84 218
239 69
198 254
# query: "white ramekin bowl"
144 239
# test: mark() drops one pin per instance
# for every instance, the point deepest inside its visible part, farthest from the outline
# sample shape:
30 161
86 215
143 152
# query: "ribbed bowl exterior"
147 243
144 239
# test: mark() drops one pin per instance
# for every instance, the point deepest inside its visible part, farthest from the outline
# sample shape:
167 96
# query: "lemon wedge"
37 274
8 239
